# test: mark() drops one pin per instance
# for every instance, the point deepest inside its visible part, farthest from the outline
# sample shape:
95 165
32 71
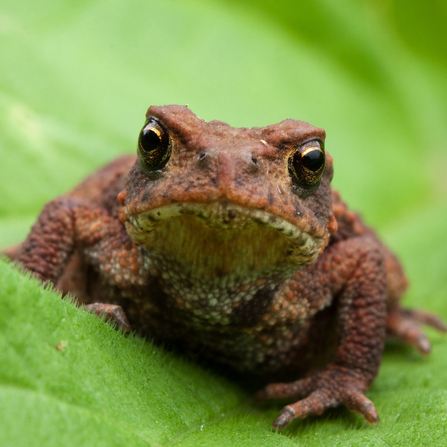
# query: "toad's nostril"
254 160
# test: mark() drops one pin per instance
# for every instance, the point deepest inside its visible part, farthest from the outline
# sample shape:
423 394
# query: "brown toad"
229 241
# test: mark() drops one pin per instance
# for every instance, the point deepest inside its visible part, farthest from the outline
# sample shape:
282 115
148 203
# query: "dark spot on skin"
214 181
271 198
30 247
300 241
204 162
231 214
150 218
259 222
249 313
186 211
164 301
158 213
289 252
220 273
238 182
189 186
297 205
272 219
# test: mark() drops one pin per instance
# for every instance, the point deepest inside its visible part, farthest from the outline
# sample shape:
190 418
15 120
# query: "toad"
230 242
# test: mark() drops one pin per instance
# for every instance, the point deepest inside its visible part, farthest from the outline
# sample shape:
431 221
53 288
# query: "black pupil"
313 160
150 140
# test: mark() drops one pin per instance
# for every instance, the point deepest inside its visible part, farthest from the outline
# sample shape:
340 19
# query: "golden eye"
306 165
154 146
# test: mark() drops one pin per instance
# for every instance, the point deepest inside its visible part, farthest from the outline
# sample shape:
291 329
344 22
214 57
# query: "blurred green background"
76 78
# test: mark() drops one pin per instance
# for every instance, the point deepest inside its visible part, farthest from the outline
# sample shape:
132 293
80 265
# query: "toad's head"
215 201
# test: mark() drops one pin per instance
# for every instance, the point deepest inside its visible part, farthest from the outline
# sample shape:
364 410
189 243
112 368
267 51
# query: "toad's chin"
220 239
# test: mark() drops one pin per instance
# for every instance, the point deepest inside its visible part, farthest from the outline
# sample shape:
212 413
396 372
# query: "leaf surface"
75 82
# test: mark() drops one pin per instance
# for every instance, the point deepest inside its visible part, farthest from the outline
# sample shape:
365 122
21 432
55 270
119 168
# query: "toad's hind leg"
405 325
11 252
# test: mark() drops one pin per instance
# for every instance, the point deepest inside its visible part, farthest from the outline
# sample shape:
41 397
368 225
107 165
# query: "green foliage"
75 82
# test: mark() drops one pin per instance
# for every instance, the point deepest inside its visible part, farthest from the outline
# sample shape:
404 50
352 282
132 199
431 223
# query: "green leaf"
75 82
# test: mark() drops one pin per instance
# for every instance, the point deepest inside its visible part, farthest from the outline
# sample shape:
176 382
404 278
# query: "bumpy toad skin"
223 246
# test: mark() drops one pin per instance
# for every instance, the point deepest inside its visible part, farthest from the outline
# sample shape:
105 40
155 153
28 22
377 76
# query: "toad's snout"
235 165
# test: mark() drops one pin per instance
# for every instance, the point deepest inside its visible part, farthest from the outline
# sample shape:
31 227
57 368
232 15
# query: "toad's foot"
329 388
405 325
110 312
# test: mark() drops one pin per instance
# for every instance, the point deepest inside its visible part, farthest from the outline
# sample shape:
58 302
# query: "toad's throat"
220 240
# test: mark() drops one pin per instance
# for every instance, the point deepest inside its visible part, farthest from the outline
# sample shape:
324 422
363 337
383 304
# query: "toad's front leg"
67 224
359 285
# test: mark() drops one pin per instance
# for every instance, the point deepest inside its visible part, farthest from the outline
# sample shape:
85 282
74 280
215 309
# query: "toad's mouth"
221 239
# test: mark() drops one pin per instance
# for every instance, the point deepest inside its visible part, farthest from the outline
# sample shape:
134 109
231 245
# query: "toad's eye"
306 165
154 146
